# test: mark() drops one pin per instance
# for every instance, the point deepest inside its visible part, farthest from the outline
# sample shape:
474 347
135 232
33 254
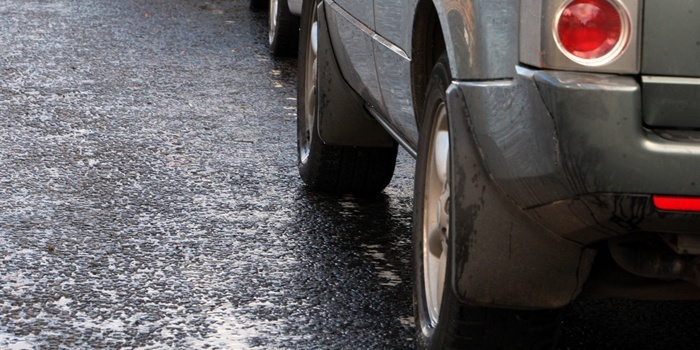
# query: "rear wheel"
442 322
325 167
284 29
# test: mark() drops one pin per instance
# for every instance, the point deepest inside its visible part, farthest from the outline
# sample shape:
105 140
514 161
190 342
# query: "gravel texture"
149 196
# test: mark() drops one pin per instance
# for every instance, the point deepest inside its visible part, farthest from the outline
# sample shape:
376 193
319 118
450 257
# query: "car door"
392 45
351 25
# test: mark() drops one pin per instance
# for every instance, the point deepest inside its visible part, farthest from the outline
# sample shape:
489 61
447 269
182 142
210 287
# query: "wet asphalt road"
149 194
149 197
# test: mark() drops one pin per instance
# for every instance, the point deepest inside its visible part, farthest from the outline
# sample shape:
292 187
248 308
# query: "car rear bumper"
549 136
547 164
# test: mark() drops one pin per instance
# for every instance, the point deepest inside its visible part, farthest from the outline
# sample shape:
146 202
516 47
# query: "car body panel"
481 37
671 47
671 102
354 49
577 133
395 84
524 160
396 22
362 10
603 143
392 45
671 64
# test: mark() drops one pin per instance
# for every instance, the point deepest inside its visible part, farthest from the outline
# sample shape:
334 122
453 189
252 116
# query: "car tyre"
442 322
325 167
283 29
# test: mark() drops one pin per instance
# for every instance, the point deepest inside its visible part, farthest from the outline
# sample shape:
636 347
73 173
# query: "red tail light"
674 203
592 32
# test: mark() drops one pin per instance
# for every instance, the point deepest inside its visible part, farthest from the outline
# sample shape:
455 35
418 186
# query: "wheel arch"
481 39
427 45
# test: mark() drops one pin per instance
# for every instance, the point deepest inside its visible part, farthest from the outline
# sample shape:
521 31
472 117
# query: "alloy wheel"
436 214
310 90
273 20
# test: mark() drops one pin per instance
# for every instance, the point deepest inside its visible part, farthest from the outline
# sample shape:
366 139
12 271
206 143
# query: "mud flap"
502 258
342 118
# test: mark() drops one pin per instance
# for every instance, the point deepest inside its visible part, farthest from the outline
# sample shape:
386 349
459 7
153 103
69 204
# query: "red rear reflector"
590 29
677 203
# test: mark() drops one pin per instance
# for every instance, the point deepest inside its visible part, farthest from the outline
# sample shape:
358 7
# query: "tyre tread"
286 41
347 169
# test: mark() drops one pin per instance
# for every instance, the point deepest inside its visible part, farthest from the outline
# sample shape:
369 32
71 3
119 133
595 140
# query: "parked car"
283 22
557 146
